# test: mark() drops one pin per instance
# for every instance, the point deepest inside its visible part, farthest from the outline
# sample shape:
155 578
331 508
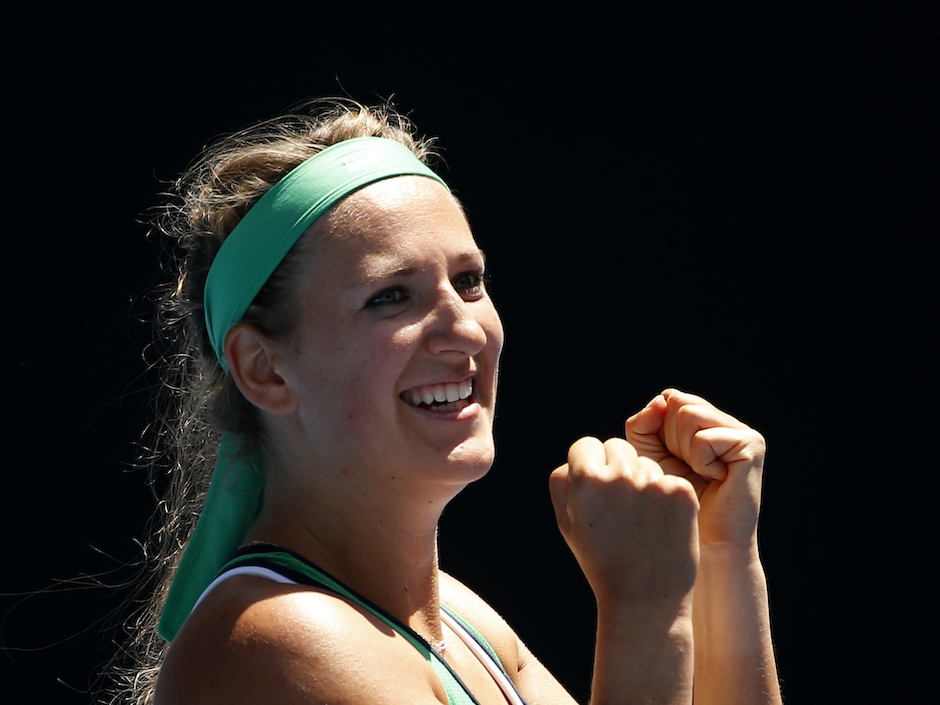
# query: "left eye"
469 282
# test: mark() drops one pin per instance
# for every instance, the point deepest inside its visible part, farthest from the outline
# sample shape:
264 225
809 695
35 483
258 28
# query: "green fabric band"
272 226
231 507
243 264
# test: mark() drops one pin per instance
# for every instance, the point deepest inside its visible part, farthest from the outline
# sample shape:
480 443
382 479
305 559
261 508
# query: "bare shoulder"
256 641
532 679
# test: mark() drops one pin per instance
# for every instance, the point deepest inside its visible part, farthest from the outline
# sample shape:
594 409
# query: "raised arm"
633 531
723 460
675 507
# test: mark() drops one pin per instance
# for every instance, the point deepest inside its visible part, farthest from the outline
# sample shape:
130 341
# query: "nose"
458 325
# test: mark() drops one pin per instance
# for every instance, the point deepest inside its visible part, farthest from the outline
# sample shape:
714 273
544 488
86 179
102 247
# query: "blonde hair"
199 401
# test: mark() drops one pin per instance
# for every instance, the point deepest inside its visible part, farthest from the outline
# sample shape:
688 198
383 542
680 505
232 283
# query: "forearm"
734 659
643 656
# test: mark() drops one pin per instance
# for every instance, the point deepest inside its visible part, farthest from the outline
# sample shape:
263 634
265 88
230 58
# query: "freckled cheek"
370 383
352 415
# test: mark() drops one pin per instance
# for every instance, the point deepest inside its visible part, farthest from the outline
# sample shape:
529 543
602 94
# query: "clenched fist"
631 526
721 457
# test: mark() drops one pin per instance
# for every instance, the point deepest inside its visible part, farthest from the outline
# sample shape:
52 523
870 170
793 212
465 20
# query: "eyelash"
479 281
474 289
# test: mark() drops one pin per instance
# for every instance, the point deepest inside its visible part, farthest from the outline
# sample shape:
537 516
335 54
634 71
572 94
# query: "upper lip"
452 379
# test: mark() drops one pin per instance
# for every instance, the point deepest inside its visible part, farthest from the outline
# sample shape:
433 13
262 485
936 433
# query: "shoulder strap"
301 571
479 638
484 652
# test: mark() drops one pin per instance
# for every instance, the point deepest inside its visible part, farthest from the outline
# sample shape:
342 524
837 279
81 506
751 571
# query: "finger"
620 457
683 397
679 486
686 415
684 423
719 452
586 456
676 399
558 488
705 458
644 427
647 471
670 430
649 419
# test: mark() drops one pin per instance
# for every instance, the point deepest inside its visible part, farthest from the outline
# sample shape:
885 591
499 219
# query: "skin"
664 526
391 303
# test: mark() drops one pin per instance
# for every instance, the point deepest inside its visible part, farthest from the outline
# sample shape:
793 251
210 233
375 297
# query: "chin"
472 460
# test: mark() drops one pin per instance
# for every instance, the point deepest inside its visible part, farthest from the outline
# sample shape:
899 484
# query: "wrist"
643 656
731 554
647 617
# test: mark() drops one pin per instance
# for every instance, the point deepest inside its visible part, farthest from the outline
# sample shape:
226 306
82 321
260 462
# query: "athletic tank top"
283 566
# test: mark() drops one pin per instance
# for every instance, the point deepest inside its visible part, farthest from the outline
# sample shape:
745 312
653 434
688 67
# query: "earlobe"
252 361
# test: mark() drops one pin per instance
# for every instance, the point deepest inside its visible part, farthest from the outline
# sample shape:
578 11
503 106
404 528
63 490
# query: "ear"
254 364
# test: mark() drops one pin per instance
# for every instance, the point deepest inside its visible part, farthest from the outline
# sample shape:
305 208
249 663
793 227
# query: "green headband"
272 226
246 260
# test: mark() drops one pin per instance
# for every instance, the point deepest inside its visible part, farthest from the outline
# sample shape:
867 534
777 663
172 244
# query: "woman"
343 341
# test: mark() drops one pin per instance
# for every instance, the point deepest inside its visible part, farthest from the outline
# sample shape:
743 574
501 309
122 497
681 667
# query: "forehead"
395 221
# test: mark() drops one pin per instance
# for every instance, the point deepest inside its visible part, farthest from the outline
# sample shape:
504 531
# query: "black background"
738 201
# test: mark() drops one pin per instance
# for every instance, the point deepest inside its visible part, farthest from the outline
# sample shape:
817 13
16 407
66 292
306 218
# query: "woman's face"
394 363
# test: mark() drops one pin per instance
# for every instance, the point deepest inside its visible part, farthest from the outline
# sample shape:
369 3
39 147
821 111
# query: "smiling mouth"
440 397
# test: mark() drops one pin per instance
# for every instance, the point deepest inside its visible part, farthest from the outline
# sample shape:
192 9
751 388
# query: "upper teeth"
441 393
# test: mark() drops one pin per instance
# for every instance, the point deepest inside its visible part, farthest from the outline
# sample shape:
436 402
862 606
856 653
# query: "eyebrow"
393 270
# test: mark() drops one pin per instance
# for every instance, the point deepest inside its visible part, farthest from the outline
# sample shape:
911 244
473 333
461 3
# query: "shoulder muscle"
254 641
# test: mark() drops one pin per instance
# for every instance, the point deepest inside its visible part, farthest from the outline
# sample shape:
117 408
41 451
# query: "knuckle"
585 440
559 473
618 447
756 442
679 488
673 402
688 413
688 419
581 448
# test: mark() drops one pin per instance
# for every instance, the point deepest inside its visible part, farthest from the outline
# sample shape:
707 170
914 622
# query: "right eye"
387 297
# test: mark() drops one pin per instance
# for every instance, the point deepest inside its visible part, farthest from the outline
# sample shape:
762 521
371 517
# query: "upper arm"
535 683
292 645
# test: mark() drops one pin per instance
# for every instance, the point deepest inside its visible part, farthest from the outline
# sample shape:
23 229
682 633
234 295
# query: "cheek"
493 326
344 410
361 380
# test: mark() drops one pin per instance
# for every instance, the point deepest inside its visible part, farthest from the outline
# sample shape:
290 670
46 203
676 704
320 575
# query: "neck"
385 548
